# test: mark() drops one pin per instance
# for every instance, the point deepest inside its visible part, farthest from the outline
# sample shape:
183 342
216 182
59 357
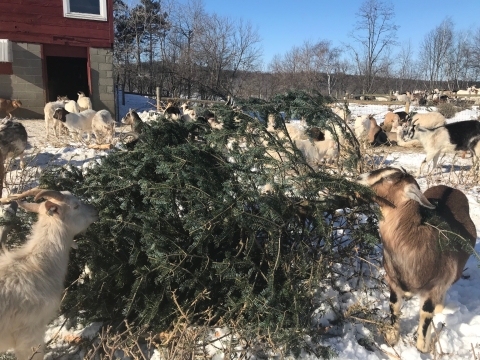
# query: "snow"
458 325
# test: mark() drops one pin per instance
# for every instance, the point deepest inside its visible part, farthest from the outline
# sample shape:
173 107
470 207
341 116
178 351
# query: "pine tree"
186 229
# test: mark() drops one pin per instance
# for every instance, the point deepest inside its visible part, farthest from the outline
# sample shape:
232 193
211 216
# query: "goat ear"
31 207
51 207
414 193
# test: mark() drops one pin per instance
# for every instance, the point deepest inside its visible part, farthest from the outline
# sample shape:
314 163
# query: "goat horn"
31 192
50 194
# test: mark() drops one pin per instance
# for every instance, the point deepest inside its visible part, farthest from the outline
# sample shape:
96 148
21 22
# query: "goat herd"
436 96
32 276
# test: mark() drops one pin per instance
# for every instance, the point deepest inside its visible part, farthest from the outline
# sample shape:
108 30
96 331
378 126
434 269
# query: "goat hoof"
439 309
422 346
392 336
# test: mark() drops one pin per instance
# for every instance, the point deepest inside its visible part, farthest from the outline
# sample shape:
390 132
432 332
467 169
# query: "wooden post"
407 106
158 98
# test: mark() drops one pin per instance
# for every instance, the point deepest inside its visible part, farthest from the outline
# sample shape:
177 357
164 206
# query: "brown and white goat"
412 257
8 106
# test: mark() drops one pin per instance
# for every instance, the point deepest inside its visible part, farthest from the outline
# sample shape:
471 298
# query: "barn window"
85 9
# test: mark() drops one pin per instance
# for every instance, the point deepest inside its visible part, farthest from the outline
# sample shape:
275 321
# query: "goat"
13 140
7 212
412 257
344 114
376 136
72 106
187 113
295 132
172 112
49 110
9 105
137 125
103 126
462 135
32 276
319 148
77 124
429 120
390 117
400 130
84 102
401 97
131 118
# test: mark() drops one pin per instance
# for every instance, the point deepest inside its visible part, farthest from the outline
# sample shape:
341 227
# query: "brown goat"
413 259
390 117
9 105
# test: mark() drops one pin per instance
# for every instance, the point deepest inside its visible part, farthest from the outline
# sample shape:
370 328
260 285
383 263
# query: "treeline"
187 52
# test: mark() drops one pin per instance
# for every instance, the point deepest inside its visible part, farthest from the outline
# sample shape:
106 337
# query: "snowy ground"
458 325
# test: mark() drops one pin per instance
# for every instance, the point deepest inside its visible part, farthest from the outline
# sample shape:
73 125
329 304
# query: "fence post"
407 106
157 91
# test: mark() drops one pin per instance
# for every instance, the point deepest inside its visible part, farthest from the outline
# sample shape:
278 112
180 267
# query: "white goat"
84 102
72 106
295 132
103 126
429 120
316 152
401 97
342 113
362 127
32 276
77 124
412 257
49 110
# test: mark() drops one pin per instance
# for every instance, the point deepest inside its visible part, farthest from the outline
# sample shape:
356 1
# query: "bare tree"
374 32
406 65
224 48
475 55
434 52
186 31
458 59
327 62
310 67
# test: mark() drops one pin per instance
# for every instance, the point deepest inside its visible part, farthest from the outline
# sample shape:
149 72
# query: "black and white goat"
458 136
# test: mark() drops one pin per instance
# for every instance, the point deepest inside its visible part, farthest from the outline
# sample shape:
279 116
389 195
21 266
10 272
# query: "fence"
456 110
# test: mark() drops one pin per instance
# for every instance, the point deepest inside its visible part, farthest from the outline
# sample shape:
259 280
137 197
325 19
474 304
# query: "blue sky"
283 24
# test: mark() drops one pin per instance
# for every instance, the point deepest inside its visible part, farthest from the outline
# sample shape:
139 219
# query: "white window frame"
101 17
6 54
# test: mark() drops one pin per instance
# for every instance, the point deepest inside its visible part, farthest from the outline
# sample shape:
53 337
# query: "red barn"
56 47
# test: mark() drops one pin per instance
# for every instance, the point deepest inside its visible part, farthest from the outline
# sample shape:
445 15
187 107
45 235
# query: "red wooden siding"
6 68
65 51
42 21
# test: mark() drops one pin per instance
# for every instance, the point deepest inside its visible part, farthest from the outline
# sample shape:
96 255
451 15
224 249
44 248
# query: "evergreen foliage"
186 232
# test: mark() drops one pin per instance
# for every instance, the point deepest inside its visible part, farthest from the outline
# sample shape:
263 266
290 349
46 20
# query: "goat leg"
425 326
393 334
